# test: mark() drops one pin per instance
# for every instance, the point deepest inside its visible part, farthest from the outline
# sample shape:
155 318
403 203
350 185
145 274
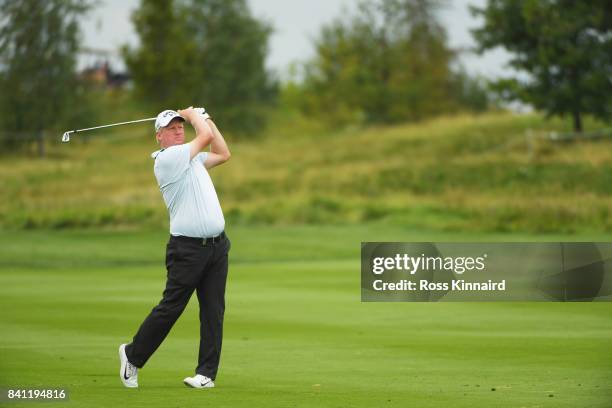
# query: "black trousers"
192 264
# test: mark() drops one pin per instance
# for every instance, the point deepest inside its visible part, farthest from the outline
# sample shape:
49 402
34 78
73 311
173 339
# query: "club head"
66 137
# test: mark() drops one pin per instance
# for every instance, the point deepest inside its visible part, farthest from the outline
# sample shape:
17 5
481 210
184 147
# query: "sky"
296 24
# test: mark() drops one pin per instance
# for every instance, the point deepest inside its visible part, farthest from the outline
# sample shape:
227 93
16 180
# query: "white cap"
165 117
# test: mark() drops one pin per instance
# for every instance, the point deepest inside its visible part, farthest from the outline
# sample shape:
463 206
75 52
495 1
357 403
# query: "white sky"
296 23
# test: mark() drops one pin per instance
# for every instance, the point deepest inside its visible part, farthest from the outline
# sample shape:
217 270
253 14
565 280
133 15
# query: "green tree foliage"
163 67
233 48
208 52
471 92
390 62
564 46
38 49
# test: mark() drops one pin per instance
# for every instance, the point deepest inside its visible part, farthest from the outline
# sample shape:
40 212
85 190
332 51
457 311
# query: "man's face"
173 134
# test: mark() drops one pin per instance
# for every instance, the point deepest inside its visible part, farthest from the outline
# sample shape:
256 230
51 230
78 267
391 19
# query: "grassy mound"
462 173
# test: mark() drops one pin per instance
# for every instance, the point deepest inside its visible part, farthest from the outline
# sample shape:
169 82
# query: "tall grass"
469 173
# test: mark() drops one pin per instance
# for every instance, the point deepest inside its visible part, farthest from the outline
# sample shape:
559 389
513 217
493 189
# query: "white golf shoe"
199 381
128 371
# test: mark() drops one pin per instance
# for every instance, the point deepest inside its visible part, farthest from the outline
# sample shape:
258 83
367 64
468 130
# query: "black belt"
200 241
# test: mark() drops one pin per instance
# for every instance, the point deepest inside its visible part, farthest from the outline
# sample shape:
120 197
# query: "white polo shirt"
188 192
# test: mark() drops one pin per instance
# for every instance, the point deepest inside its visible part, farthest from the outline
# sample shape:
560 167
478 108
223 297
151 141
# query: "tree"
38 50
471 92
232 46
165 63
564 46
209 52
388 63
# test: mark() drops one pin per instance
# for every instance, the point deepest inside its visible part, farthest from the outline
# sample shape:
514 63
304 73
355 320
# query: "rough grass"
475 173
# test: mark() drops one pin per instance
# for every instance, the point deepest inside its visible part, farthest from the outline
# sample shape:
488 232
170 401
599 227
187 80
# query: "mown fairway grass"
296 335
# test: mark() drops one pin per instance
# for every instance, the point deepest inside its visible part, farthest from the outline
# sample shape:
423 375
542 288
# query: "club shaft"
113 124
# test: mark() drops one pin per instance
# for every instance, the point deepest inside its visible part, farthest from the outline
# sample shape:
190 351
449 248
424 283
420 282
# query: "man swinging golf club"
197 252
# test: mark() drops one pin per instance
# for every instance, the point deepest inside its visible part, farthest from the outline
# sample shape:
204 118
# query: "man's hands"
202 112
188 112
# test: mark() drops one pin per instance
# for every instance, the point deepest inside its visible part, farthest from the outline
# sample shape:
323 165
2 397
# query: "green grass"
459 173
296 334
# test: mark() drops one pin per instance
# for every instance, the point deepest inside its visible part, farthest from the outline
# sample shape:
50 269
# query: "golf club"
66 135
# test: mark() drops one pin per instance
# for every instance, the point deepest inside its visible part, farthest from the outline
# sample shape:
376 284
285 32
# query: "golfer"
197 252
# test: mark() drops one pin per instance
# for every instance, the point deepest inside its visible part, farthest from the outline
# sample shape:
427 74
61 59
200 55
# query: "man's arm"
204 134
219 152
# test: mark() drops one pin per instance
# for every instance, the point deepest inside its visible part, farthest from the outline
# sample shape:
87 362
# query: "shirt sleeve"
201 157
171 163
